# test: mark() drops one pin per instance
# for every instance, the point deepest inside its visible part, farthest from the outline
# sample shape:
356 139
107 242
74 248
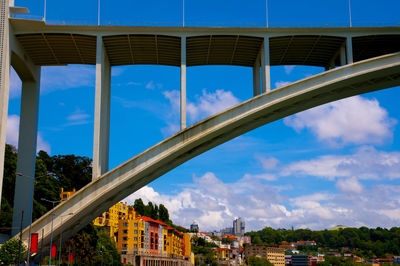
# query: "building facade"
238 227
194 227
275 255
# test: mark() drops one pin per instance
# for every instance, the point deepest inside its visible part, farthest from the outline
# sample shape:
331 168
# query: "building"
64 195
194 227
300 260
112 217
238 227
142 238
226 231
275 255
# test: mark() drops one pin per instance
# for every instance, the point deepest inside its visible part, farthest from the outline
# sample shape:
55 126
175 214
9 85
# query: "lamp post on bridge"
52 218
31 205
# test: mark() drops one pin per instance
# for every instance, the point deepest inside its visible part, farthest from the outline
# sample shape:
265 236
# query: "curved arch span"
96 197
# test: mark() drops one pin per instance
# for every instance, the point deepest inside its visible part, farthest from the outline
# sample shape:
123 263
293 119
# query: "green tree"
257 240
9 252
139 206
257 261
154 212
163 213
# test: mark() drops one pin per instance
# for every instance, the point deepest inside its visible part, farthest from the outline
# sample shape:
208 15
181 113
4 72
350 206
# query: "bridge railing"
216 13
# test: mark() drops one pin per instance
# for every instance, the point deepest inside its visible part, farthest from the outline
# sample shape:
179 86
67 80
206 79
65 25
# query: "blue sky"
336 164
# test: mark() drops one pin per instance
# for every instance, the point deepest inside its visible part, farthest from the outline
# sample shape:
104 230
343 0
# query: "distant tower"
238 227
194 227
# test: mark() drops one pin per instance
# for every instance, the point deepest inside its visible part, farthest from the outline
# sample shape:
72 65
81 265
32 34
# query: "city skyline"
315 169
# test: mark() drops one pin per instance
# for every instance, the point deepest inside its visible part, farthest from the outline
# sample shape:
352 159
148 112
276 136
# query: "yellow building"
64 195
131 234
188 245
275 255
222 253
111 217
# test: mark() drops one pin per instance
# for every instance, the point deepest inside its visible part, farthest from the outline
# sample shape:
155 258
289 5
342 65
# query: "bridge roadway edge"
130 176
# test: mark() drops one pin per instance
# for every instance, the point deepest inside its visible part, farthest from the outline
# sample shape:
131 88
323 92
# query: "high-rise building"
238 227
194 227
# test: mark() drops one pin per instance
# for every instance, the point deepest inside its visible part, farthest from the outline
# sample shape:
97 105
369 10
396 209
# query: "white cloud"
288 69
150 85
353 120
205 105
365 163
281 83
13 133
210 103
78 117
66 77
15 84
13 130
267 163
209 197
350 185
214 204
265 176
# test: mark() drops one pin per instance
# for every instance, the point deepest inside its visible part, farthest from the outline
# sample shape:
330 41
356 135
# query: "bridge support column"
183 82
349 49
343 60
256 77
27 139
101 112
265 67
4 82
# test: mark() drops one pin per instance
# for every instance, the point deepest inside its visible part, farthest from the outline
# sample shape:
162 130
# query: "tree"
257 261
163 213
154 212
139 206
257 240
9 252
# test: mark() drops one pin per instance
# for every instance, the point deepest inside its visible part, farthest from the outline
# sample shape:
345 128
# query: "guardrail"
189 23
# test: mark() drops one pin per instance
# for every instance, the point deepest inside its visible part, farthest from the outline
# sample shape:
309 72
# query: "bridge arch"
89 202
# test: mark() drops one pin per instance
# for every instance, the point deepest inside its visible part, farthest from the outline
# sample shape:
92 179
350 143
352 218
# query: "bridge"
356 60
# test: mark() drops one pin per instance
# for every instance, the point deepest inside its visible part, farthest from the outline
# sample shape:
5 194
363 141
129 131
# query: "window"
135 245
124 245
123 252
135 238
135 231
125 238
135 224
125 231
125 225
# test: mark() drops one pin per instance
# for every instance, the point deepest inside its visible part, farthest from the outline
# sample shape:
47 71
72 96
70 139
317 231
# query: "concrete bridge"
356 60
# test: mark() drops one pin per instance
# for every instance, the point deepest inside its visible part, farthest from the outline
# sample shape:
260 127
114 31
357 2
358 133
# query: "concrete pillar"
183 82
256 77
101 112
349 49
265 66
4 82
27 140
343 60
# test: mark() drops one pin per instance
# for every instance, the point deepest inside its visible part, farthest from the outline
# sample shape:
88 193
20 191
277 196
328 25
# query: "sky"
335 164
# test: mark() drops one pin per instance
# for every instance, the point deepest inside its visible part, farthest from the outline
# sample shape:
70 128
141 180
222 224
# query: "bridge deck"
61 45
